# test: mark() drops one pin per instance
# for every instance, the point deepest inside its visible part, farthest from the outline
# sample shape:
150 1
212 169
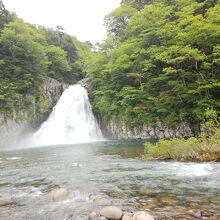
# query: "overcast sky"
81 18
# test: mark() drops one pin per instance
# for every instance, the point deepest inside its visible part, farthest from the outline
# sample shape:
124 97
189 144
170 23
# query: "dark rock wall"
115 130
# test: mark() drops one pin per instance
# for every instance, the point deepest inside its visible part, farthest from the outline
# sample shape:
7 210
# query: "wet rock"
142 216
103 218
126 217
7 203
168 201
111 212
92 216
128 213
86 83
148 204
198 214
145 191
136 214
49 188
93 198
59 195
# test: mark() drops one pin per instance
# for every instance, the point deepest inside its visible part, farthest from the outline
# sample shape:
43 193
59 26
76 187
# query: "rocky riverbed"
104 174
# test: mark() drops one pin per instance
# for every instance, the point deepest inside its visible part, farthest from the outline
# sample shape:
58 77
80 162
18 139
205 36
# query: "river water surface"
104 173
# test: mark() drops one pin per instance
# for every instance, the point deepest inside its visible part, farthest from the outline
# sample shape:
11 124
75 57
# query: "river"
99 174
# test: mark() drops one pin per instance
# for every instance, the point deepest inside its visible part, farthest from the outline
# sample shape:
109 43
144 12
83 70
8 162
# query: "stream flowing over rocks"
68 182
115 213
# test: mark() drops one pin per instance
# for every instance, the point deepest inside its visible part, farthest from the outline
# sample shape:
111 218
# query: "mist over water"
70 122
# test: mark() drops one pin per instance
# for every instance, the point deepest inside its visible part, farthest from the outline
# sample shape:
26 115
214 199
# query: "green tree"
58 64
118 19
23 65
4 15
164 67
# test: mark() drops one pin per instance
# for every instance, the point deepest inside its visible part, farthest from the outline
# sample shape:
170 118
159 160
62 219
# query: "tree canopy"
164 66
160 62
28 54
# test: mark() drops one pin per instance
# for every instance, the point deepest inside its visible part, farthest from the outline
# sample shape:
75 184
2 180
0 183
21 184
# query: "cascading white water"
71 121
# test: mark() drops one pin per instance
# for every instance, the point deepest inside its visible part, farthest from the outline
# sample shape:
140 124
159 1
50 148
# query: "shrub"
193 149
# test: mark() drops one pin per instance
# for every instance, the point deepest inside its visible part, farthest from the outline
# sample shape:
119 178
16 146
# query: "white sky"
80 18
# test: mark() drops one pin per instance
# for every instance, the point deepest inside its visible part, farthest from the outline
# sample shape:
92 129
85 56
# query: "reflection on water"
102 174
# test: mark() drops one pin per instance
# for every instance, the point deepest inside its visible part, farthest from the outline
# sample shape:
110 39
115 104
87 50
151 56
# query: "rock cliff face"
86 83
52 90
122 131
13 128
116 130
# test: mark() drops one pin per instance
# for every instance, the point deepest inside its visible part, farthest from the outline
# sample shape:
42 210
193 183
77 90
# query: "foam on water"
35 192
13 158
193 169
76 165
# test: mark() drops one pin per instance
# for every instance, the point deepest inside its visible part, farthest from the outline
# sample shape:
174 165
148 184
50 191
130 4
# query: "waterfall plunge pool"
103 173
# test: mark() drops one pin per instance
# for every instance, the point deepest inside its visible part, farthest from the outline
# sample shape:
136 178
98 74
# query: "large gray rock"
111 212
120 130
60 195
142 216
52 90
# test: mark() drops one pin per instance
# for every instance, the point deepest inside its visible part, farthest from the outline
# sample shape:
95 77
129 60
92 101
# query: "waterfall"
70 122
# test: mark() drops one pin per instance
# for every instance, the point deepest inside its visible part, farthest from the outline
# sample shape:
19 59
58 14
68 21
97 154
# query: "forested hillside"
29 54
160 62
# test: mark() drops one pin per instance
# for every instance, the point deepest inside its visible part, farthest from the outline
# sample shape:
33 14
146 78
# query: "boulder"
92 216
103 218
134 217
126 217
59 195
111 212
142 216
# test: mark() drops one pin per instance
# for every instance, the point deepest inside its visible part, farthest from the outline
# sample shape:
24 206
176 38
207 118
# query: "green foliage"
137 4
29 54
57 62
4 15
212 121
23 65
162 66
192 149
64 53
118 19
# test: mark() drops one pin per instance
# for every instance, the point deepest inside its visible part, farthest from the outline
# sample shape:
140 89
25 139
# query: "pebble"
59 195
